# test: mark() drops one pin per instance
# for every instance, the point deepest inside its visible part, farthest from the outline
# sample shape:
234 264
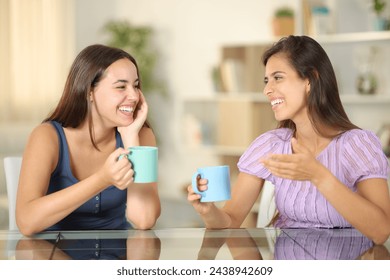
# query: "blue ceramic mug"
218 183
145 163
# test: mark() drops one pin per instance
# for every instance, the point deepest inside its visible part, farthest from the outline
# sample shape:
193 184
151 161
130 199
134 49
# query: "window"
36 49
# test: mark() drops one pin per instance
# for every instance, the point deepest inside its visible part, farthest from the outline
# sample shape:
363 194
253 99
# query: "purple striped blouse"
353 156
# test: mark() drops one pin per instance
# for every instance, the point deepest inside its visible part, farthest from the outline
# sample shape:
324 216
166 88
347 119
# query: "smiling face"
286 91
117 94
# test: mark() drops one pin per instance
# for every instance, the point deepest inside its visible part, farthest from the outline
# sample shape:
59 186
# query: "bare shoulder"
43 138
44 132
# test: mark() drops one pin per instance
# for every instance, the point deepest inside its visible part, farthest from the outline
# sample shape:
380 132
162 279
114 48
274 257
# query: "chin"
125 123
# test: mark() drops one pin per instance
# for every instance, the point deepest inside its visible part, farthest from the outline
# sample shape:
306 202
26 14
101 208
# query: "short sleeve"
363 156
276 141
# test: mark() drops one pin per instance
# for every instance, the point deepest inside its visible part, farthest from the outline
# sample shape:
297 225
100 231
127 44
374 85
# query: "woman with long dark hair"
72 175
327 172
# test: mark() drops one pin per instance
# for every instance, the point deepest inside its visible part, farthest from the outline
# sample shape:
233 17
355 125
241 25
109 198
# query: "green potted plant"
379 6
283 22
136 40
380 22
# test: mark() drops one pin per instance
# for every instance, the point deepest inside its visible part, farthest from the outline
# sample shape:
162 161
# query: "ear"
307 87
90 96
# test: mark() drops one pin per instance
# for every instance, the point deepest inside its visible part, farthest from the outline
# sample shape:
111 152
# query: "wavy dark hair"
310 61
85 73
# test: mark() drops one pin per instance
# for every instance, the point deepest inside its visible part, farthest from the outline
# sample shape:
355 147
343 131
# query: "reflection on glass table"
327 244
119 245
296 244
194 244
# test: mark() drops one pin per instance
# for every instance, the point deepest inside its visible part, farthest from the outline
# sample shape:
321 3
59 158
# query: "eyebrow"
125 81
277 72
120 81
273 74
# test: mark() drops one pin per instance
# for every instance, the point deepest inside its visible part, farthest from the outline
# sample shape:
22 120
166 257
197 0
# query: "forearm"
130 141
361 213
143 205
38 214
216 218
243 248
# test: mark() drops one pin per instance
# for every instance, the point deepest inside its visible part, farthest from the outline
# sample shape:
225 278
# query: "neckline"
327 147
118 144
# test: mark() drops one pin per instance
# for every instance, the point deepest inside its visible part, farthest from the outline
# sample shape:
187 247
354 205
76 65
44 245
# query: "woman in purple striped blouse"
327 172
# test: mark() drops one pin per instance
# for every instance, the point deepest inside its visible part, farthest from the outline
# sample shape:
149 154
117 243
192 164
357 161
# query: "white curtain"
36 50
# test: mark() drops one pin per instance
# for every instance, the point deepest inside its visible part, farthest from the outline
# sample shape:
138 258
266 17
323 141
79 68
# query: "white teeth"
127 109
276 101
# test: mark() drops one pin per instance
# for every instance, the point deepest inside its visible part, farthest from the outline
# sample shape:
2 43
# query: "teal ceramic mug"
218 183
145 163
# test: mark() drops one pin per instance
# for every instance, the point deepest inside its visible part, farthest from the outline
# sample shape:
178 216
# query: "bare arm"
38 249
244 194
143 245
35 211
244 248
368 209
143 202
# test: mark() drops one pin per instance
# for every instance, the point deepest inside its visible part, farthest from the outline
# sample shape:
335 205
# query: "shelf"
351 37
217 150
356 37
350 99
229 151
244 96
230 96
259 97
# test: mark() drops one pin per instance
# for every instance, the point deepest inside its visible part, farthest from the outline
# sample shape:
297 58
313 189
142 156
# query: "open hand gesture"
301 165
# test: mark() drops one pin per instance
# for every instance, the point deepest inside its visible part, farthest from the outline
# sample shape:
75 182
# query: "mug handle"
126 155
122 156
195 183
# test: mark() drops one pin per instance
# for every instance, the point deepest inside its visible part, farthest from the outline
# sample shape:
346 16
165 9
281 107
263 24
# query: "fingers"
280 165
143 105
119 169
193 196
119 154
124 177
278 159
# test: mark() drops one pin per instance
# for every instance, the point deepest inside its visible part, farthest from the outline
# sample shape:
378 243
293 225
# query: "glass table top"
193 244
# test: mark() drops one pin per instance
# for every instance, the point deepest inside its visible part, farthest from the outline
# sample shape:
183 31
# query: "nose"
268 89
132 93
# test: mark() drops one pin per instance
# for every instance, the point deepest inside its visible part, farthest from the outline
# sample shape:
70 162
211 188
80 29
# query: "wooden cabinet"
242 69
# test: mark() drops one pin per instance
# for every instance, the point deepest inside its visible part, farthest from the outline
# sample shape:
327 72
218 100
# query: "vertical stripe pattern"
353 156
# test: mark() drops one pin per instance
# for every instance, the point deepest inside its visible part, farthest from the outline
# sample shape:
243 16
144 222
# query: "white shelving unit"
355 37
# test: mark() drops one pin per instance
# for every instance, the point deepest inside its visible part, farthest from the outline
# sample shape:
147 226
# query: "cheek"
107 103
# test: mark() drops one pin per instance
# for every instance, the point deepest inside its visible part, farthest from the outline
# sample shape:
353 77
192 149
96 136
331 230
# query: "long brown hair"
85 73
310 61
